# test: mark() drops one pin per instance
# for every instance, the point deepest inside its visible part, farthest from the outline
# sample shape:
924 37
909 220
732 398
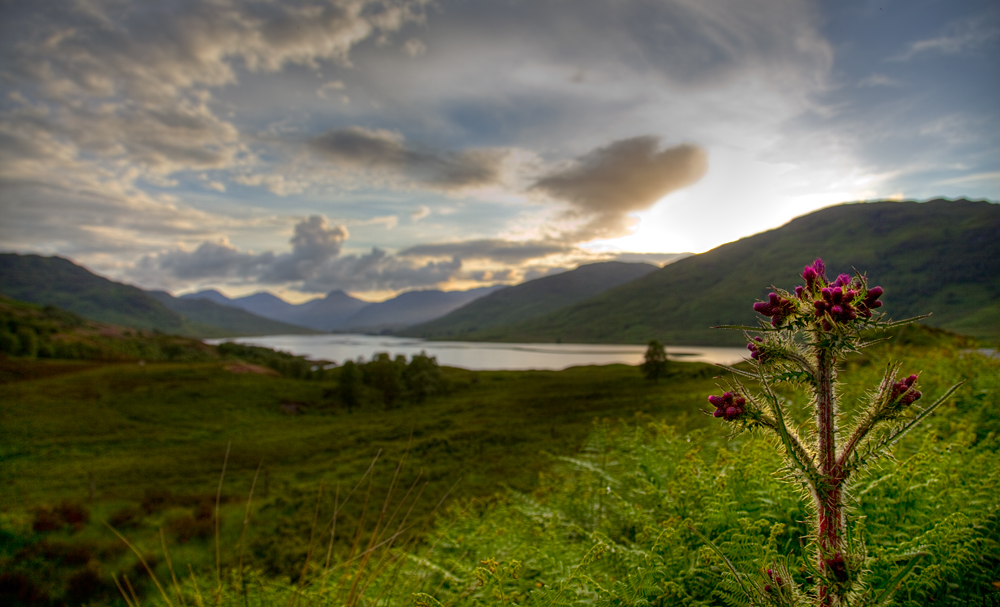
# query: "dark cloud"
314 265
209 260
606 185
383 150
380 271
504 251
314 244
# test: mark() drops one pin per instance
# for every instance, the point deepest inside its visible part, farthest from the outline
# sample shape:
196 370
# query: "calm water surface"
481 355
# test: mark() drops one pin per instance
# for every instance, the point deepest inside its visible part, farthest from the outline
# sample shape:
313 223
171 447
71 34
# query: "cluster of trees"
30 331
285 363
27 330
391 381
22 341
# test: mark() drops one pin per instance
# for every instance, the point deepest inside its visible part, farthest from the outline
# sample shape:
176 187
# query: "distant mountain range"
530 299
939 256
59 282
323 314
338 311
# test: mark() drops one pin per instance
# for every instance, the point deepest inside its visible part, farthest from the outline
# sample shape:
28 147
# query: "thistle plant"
811 331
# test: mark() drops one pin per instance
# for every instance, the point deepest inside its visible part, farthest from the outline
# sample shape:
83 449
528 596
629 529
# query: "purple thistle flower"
903 390
729 406
777 307
756 352
814 274
871 301
836 305
842 281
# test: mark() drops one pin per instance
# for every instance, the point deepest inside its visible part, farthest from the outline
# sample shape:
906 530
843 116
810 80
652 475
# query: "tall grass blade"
170 566
218 498
142 560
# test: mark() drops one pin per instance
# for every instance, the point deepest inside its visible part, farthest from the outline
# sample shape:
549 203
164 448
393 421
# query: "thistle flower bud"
777 307
836 305
729 406
903 391
814 274
871 301
756 352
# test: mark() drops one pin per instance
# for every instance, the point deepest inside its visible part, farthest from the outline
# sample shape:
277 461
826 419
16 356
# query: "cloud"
959 37
106 102
387 151
132 82
504 251
314 265
874 80
314 243
414 47
323 92
422 212
601 188
604 186
380 271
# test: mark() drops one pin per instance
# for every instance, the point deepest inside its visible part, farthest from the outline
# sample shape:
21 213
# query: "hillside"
531 299
54 281
939 256
31 331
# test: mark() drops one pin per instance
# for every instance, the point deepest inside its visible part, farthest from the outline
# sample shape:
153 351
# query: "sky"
380 146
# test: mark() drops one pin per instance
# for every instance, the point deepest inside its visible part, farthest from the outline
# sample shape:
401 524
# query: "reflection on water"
482 355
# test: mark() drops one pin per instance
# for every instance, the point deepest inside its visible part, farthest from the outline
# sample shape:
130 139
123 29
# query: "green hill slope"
531 299
54 281
939 256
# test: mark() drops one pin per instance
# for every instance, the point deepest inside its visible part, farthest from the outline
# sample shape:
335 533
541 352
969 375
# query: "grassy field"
142 447
130 427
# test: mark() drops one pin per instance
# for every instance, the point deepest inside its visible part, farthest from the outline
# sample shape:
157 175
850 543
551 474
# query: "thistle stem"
828 494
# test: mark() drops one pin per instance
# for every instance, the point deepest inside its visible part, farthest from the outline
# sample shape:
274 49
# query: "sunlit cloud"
608 184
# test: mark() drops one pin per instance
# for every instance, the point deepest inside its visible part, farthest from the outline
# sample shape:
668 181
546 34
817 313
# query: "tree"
386 375
349 388
422 377
655 365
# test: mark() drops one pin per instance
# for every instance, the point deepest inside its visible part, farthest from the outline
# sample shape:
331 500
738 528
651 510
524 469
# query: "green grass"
153 439
158 433
132 426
